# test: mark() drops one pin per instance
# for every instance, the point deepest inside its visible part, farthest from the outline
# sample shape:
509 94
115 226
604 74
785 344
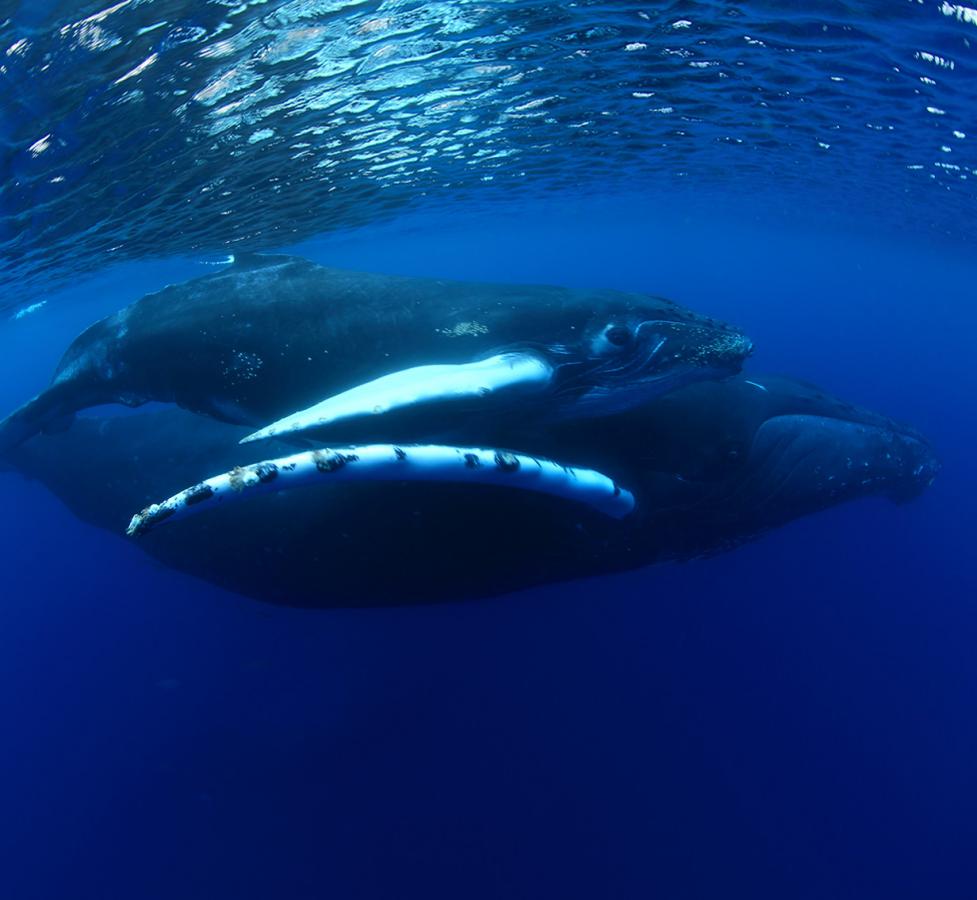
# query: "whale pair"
426 405
309 352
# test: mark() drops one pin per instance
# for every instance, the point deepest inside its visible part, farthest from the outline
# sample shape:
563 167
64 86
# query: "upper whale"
284 345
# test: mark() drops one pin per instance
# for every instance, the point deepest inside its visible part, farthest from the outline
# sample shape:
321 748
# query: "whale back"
268 335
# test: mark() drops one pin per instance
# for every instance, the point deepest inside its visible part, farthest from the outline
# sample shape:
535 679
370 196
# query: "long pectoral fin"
386 462
417 386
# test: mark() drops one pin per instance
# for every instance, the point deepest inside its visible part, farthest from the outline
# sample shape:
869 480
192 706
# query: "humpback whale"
709 466
289 347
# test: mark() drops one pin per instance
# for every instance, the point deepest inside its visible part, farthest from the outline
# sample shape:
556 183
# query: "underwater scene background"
795 718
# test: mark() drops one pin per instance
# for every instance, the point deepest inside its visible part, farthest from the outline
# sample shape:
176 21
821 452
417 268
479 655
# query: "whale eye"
618 335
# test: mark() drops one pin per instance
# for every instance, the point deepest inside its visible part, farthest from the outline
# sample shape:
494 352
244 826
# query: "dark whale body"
270 335
711 465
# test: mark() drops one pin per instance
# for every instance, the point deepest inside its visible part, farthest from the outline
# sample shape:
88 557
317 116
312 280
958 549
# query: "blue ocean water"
791 719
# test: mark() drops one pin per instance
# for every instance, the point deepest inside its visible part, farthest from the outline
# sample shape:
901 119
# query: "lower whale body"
709 466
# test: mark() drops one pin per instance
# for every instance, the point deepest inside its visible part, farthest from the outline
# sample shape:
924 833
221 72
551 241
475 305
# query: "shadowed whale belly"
709 466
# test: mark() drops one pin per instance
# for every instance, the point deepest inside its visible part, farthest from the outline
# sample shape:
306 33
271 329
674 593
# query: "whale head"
629 356
601 354
759 450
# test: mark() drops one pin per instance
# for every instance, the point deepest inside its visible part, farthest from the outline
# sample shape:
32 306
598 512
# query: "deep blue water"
794 719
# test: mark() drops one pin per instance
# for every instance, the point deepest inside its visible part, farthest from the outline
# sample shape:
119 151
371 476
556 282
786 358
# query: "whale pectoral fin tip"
137 524
264 434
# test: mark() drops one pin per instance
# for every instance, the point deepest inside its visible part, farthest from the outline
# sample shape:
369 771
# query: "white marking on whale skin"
27 310
387 462
656 348
461 329
415 386
756 385
240 366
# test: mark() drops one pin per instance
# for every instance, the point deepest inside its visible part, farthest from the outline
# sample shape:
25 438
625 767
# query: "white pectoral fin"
416 386
386 462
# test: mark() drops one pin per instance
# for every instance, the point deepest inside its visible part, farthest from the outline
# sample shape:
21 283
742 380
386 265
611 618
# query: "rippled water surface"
151 127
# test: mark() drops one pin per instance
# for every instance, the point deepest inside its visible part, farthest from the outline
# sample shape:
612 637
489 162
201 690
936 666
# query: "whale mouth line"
390 462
